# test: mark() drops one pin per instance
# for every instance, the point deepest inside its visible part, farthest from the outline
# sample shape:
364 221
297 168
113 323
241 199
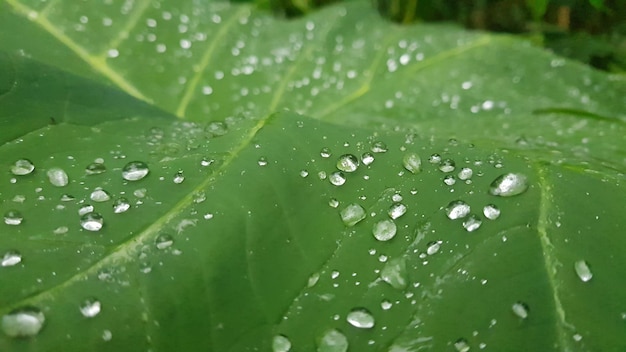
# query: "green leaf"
259 245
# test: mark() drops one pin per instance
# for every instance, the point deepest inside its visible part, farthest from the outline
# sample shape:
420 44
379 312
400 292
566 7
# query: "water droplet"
465 173
434 159
61 230
90 308
164 241
334 203
57 177
367 158
396 197
433 247
332 341
461 345
325 153
396 210
386 304
520 309
583 271
67 198
11 258
217 129
135 171
352 214
281 343
23 322
120 205
457 209
412 162
304 173
179 177
347 163
140 192
262 161
91 221
361 318
379 147
449 180
206 161
95 168
384 230
447 165
313 280
85 209
22 167
508 185
13 217
337 178
321 175
100 195
491 211
472 223
394 273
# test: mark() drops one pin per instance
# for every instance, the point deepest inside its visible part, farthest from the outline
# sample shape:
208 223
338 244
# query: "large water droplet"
384 230
412 162
472 223
11 258
135 171
461 345
337 178
164 241
361 318
57 177
352 214
491 211
95 168
121 205
396 210
348 163
508 185
91 221
23 322
22 167
367 158
583 271
281 343
90 307
394 273
179 177
520 309
465 173
332 341
13 217
100 195
457 209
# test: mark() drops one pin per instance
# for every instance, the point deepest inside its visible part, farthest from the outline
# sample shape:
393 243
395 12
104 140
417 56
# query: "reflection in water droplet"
23 322
367 158
281 343
583 271
347 163
361 318
95 169
433 247
457 209
179 177
100 195
91 221
379 147
396 210
262 161
337 178
447 165
325 153
465 173
508 185
520 309
394 273
461 345
412 162
57 177
164 241
13 217
90 308
22 167
352 214
120 205
332 341
384 230
11 258
472 223
491 211
135 171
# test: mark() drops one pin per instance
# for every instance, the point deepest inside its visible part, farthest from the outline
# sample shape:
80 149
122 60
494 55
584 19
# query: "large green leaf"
250 248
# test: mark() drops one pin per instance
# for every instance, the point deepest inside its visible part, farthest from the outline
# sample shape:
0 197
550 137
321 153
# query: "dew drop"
135 171
412 162
491 211
90 308
262 161
337 178
325 153
100 195
304 173
23 322
85 209
520 309
280 343
11 258
447 165
582 270
164 241
216 129
433 247
386 304
332 341
379 147
472 223
120 205
434 159
508 185
360 318
347 163
179 177
384 230
461 345
367 158
57 177
457 209
465 173
95 168
107 335
22 167
322 175
449 180
352 214
334 203
91 221
313 279
394 273
13 217
396 210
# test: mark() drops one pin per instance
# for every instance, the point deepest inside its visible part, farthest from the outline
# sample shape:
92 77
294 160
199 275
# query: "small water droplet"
22 167
140 192
61 230
135 171
179 177
367 158
434 159
91 221
491 211
313 280
325 153
384 230
107 335
334 203
379 147
304 173
164 241
386 304
11 258
206 161
360 318
412 162
348 163
57 177
520 309
447 165
433 247
465 173
85 209
216 129
90 308
280 343
67 198
472 223
13 217
332 341
100 195
120 205
508 185
394 273
95 169
23 322
262 161
337 178
457 209
461 345
352 214
396 210
583 270
449 180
